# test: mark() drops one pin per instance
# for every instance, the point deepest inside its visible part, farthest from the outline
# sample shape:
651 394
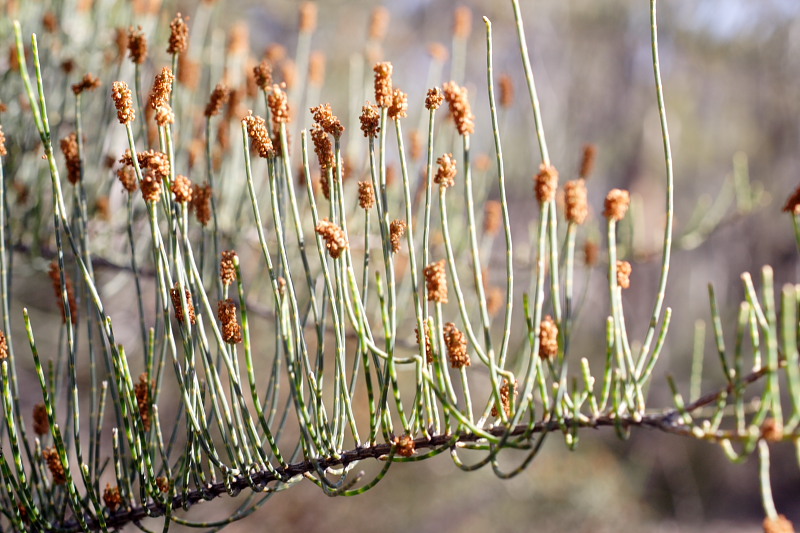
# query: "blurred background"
730 71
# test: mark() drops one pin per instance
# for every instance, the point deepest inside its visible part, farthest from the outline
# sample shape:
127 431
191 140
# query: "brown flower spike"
88 83
456 343
792 204
259 136
616 205
366 195
772 430
55 277
590 253
335 240
219 97
546 183
263 75
456 97
506 91
587 163
397 228
123 101
41 424
383 84
201 202
142 390
137 45
175 295
227 268
624 270
436 281
323 115
370 121
69 147
505 392
279 105
162 88
446 173
405 445
54 464
322 147
178 36
182 189
231 330
127 177
112 497
548 338
575 201
399 107
434 99
492 217
428 347
308 17
779 524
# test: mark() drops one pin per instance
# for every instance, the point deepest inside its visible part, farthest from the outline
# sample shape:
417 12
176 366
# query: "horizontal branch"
668 421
